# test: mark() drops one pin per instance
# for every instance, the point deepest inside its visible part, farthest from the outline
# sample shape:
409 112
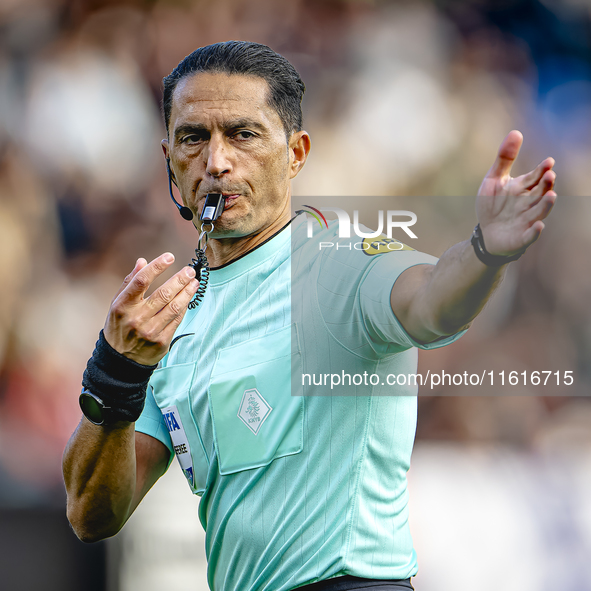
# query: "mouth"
229 199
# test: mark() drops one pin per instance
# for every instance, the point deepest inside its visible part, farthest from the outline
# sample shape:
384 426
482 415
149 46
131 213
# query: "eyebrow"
198 128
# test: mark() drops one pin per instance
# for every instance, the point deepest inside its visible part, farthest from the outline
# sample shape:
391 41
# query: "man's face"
225 138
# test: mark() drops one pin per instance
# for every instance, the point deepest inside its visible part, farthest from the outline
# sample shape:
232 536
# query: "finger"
541 210
533 232
506 156
546 184
532 178
165 294
168 319
142 280
139 264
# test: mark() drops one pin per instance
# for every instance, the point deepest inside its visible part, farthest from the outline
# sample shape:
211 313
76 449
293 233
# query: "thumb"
506 156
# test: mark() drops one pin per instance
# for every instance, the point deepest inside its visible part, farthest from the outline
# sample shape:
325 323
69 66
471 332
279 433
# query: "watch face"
92 408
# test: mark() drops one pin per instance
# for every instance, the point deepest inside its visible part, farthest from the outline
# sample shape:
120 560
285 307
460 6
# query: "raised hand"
142 328
510 210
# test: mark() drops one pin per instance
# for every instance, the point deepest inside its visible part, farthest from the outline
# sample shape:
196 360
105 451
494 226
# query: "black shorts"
348 583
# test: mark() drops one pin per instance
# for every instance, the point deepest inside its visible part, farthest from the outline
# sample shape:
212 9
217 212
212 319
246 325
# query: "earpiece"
185 212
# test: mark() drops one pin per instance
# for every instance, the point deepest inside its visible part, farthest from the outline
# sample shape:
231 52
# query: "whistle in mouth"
213 207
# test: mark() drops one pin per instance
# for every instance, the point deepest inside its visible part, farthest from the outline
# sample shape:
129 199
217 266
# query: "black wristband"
119 382
490 260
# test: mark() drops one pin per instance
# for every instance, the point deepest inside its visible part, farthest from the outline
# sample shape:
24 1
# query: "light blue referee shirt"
299 482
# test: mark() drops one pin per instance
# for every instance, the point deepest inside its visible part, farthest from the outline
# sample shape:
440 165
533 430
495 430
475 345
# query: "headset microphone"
185 212
212 210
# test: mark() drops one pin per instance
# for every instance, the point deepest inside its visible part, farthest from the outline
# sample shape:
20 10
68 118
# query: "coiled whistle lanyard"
201 265
212 209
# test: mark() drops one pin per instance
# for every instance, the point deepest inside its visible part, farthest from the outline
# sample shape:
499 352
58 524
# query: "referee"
297 490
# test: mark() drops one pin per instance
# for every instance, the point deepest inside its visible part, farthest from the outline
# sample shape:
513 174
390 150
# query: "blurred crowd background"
406 99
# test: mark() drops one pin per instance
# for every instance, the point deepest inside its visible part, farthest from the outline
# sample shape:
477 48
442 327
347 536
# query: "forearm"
436 301
459 287
109 468
99 467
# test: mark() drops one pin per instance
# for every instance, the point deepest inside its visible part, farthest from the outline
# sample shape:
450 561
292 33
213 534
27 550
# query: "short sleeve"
374 296
151 422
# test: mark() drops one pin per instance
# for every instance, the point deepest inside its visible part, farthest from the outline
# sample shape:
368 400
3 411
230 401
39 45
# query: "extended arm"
433 302
108 469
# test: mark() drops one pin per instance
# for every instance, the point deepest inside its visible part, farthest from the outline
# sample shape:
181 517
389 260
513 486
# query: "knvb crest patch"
254 409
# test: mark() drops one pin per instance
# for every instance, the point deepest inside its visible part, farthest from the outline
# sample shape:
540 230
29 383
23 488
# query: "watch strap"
490 260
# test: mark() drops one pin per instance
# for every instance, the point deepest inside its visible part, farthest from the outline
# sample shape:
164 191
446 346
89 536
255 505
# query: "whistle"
213 207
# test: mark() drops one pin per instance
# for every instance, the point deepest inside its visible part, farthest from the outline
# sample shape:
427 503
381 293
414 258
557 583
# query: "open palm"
511 210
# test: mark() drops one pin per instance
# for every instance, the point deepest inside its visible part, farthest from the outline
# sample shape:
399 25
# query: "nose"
218 157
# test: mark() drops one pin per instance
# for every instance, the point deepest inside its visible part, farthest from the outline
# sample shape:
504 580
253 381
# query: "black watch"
490 260
94 408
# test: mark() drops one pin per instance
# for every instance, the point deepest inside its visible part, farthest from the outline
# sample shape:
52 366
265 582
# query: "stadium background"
404 98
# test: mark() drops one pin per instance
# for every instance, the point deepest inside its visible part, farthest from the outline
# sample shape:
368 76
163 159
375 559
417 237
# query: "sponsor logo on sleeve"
180 443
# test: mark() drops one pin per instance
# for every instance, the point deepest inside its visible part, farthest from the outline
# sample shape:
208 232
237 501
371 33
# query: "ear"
299 148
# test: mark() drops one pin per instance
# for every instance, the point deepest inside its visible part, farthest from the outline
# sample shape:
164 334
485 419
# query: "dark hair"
251 59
